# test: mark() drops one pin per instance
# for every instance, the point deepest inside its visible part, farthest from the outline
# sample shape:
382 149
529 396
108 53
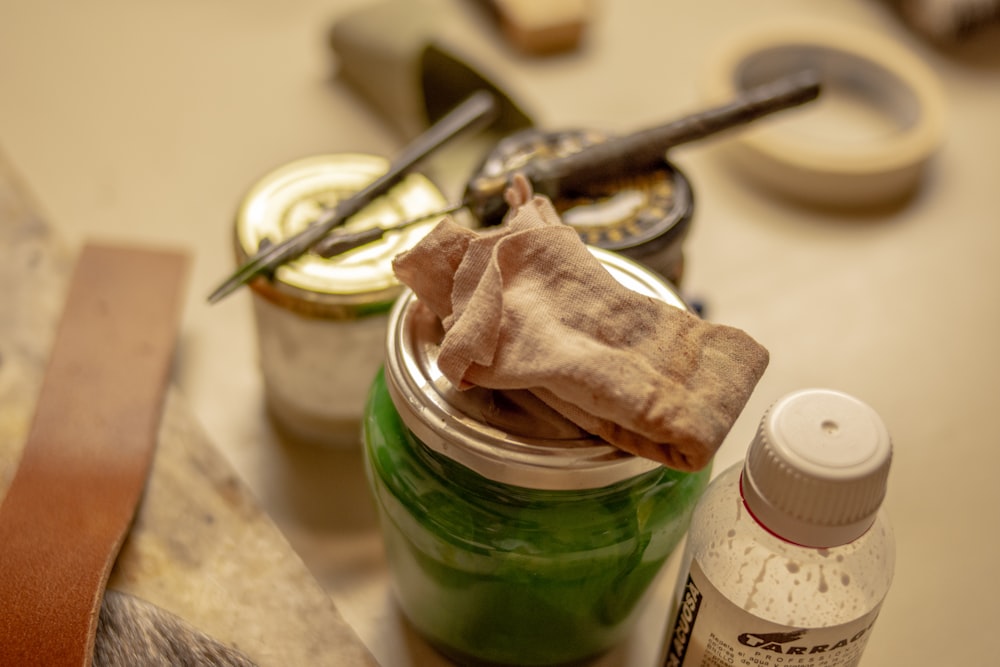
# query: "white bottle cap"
816 472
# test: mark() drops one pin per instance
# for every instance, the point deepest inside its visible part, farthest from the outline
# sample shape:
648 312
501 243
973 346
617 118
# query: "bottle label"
711 631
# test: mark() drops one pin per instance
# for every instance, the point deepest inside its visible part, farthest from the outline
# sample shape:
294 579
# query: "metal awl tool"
628 154
632 153
342 241
639 151
476 108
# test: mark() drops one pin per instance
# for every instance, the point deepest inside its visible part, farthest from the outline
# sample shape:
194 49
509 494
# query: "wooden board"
200 546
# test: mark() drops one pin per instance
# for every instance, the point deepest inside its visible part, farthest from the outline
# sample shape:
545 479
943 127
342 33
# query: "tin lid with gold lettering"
288 199
645 216
507 436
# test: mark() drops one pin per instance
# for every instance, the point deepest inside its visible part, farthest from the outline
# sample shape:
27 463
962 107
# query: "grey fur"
133 633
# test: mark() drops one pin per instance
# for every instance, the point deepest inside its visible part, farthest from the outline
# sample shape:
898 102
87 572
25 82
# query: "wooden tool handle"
542 27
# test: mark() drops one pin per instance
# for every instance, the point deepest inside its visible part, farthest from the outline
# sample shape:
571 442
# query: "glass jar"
320 322
803 513
513 538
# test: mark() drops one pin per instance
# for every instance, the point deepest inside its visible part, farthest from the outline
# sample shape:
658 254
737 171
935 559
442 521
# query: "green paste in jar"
493 573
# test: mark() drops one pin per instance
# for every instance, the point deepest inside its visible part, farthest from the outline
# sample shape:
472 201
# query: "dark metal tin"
644 216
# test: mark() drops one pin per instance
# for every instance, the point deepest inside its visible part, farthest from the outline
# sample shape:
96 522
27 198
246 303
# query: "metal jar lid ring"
509 437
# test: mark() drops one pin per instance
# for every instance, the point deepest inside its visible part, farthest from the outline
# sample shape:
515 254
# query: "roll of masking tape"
866 140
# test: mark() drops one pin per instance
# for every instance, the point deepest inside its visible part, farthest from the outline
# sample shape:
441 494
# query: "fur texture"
133 632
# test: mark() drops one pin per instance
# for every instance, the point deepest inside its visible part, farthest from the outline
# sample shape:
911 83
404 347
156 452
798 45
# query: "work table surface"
147 122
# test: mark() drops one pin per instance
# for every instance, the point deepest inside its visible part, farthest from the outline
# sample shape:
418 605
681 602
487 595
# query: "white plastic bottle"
789 555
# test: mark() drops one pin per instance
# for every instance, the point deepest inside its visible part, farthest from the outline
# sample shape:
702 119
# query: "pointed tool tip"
222 291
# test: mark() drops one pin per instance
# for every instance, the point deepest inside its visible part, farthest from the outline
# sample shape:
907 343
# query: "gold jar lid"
286 200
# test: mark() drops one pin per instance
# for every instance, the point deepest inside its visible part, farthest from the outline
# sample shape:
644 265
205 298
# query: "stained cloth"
527 306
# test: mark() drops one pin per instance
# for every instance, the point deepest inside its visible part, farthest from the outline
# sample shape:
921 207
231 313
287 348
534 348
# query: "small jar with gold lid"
321 322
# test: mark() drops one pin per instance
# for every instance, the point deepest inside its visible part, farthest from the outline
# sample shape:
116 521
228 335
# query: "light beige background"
146 121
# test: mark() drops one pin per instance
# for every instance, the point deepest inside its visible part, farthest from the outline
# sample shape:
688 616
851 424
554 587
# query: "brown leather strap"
88 453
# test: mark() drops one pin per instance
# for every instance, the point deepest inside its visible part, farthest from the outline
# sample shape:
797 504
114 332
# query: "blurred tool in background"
397 57
542 28
951 22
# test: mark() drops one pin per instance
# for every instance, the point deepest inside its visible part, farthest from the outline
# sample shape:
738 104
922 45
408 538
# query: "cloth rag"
527 306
